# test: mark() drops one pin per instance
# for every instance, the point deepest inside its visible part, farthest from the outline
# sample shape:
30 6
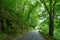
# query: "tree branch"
54 6
45 5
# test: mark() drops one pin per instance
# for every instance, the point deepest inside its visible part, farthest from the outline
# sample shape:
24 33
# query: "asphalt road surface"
34 35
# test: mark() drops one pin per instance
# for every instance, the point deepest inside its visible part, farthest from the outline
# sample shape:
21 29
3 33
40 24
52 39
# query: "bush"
2 36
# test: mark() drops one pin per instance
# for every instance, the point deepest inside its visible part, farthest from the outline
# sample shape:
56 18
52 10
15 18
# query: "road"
34 35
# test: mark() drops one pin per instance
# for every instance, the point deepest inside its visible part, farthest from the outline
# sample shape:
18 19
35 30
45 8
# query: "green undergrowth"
8 36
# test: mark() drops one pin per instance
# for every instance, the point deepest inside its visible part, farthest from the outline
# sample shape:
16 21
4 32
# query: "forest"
18 17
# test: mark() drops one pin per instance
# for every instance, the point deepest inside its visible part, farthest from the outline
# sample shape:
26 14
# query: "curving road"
34 35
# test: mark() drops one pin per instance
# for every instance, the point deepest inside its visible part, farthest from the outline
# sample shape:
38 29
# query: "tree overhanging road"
34 35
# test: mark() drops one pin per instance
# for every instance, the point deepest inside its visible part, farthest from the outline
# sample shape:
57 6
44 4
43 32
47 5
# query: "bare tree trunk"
51 20
51 25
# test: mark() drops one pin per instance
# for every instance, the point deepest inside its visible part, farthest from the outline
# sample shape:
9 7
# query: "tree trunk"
2 26
51 20
51 25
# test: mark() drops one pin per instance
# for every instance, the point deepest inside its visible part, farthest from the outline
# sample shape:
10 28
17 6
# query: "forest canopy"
18 17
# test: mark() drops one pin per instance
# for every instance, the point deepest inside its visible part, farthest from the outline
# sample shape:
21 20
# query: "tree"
20 13
51 13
